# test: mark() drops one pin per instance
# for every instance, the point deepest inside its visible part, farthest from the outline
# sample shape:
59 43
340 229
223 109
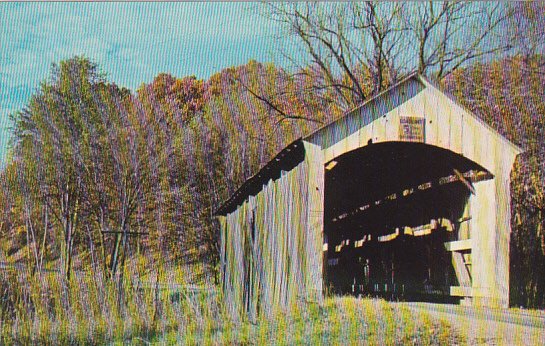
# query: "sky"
131 42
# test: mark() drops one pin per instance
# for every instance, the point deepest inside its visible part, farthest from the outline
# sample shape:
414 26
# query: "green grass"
91 309
338 321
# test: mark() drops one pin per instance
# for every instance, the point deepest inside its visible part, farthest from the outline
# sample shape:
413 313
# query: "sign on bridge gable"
411 129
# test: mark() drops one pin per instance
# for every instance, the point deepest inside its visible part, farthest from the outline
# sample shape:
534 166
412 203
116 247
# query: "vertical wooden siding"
281 264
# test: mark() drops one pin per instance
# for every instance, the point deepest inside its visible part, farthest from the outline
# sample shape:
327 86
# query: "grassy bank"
91 309
340 320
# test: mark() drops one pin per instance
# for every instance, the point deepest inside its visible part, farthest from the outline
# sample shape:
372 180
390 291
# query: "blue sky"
131 42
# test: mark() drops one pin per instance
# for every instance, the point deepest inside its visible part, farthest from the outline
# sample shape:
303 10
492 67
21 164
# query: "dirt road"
484 326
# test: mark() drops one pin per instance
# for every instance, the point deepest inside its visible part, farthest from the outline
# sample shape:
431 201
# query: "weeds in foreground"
45 309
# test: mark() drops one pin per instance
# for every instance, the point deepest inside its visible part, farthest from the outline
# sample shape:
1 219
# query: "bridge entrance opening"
390 208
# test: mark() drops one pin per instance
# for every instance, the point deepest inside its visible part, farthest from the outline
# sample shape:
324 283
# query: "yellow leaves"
20 230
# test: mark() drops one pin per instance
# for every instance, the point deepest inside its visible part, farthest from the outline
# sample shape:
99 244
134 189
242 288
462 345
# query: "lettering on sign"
412 129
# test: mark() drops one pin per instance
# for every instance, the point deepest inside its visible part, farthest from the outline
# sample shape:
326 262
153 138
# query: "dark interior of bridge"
389 207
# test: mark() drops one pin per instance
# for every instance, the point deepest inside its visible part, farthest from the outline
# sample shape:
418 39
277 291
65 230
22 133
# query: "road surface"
485 326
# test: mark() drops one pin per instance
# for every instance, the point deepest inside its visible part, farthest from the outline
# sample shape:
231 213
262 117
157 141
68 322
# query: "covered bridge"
406 196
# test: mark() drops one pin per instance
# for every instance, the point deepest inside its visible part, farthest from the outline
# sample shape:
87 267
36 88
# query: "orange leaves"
180 99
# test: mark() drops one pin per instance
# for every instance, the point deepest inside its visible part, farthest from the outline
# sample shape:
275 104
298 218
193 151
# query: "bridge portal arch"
392 211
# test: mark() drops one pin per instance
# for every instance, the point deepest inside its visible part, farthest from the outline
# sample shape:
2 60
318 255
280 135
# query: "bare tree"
527 26
362 48
448 35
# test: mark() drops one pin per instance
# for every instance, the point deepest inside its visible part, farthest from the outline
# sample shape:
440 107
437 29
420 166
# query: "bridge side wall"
271 245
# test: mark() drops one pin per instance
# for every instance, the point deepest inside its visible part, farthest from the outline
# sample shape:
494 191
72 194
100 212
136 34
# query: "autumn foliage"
99 175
